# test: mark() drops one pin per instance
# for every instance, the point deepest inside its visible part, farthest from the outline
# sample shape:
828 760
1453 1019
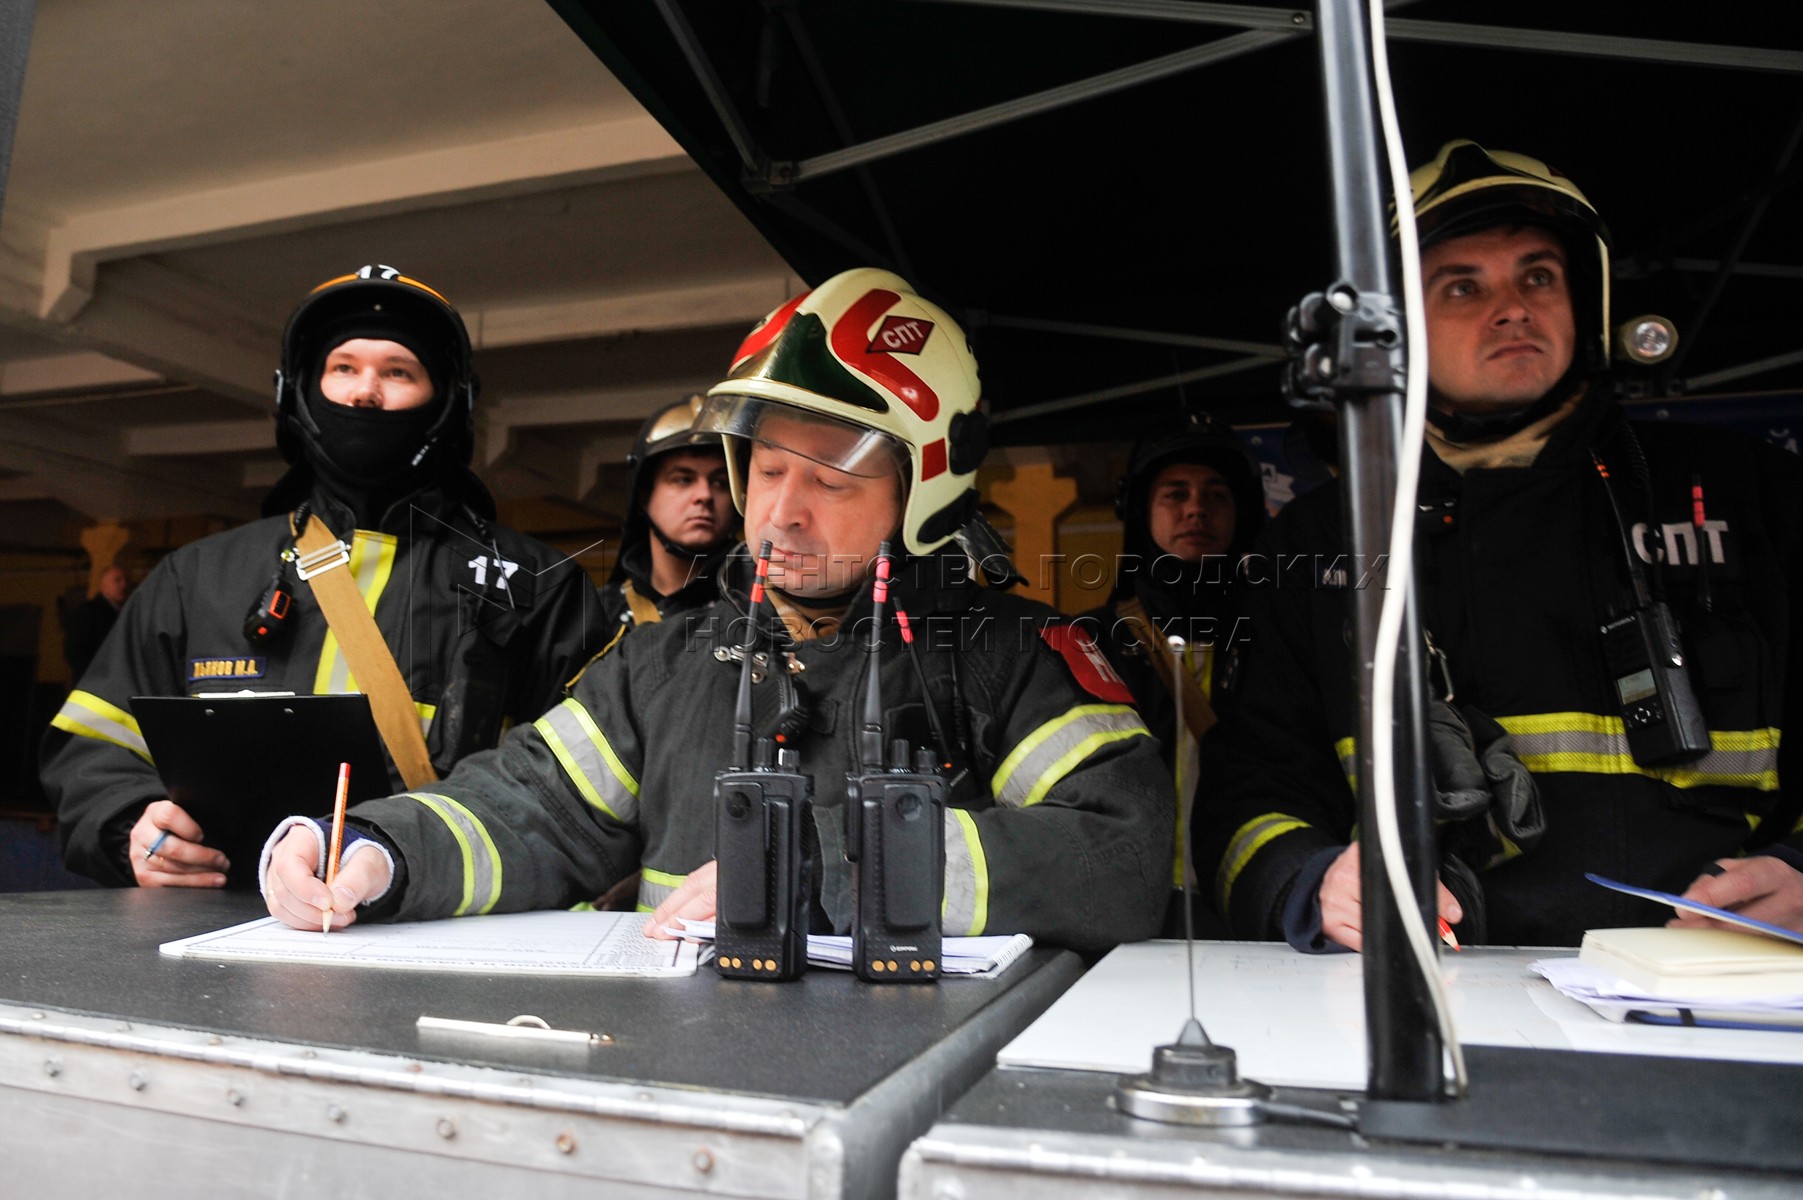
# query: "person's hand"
1761 887
297 897
179 859
1343 913
694 900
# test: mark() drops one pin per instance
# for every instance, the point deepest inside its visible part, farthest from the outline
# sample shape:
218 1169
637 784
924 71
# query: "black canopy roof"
1103 249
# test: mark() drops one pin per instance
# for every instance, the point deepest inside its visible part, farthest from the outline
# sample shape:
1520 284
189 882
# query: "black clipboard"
239 764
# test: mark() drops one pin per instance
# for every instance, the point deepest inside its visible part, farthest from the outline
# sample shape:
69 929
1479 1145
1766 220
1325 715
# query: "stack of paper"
1684 976
983 957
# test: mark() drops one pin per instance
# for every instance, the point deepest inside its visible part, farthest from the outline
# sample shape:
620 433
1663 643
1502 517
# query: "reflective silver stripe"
87 715
653 889
1594 744
481 860
1246 843
965 910
589 760
1055 749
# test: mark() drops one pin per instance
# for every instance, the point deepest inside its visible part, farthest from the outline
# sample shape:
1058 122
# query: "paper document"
534 943
1617 999
984 957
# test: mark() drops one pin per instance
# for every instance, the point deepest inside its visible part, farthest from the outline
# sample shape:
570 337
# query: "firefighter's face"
375 373
824 524
1499 324
1190 511
690 500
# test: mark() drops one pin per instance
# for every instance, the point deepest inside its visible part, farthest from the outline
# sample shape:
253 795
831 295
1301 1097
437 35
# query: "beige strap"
1198 713
324 560
643 611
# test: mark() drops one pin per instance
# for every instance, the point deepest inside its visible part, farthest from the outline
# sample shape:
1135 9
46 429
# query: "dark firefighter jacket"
1517 569
481 644
1066 834
619 615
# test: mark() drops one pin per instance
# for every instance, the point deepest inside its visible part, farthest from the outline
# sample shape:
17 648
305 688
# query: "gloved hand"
1486 802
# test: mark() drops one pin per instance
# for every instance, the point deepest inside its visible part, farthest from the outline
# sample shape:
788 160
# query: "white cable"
1402 564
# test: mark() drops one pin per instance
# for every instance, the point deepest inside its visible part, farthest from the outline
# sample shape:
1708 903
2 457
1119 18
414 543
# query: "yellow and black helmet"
1467 188
378 301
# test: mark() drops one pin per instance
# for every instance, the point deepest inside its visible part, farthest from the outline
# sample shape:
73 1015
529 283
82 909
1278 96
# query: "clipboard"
239 764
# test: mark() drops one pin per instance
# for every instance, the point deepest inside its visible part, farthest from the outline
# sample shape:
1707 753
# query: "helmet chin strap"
1466 428
681 551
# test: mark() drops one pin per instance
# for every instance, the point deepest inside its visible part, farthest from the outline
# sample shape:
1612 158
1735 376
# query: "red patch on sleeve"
1087 663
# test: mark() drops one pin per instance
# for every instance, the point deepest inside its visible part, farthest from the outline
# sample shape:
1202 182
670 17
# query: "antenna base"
1193 1082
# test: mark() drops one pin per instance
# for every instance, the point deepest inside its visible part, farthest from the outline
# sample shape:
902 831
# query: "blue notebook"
1720 914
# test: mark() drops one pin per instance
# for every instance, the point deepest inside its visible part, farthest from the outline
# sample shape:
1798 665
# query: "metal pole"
15 45
1402 1040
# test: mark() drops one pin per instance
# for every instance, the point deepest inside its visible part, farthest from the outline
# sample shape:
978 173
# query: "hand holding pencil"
337 847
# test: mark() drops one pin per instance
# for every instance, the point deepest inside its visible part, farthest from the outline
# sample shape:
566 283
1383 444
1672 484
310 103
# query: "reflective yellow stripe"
1347 751
1251 838
427 713
964 912
589 760
655 887
1052 751
87 715
481 871
1597 744
372 561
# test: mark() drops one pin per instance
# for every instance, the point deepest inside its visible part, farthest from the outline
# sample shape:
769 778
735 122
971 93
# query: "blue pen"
156 845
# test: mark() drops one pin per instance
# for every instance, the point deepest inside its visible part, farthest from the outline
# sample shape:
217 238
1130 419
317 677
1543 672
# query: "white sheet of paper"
534 943
1299 1019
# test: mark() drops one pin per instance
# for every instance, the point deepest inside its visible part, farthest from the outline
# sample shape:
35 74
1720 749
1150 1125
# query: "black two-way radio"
894 837
1645 656
763 840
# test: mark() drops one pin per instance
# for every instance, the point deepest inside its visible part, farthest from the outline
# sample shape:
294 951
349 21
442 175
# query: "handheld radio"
1645 656
763 840
894 838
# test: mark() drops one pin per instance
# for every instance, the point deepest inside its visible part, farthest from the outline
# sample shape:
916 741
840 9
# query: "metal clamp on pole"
1342 341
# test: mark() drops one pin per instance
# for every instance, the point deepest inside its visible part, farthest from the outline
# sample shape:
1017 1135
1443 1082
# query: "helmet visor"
840 445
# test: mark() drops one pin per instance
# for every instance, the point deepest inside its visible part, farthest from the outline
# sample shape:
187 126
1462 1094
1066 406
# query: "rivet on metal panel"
37 1016
566 1142
53 1067
215 1040
234 1097
335 1114
447 1129
949 1189
123 1027
309 1054
139 1081
644 1096
601 1039
704 1160
1297 18
416 1068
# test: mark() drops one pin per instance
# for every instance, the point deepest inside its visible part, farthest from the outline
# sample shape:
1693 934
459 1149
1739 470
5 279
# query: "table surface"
825 1039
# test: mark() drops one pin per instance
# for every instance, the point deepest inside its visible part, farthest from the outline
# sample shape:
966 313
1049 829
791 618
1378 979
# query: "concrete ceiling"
185 170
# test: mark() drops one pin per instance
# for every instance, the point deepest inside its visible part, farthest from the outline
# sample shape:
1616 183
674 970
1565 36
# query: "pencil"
344 789
1447 935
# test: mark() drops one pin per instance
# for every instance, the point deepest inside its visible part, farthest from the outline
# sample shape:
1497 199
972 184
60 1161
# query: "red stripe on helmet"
932 459
851 342
764 334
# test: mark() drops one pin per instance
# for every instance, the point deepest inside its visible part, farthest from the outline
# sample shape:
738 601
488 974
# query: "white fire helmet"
864 352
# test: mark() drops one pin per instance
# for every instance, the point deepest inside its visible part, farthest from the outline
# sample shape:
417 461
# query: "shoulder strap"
323 558
643 611
1198 713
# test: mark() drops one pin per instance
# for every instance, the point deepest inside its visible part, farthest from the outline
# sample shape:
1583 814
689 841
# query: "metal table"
1540 1123
125 1072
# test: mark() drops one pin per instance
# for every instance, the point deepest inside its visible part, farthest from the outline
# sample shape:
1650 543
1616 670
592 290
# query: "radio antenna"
741 715
870 741
920 674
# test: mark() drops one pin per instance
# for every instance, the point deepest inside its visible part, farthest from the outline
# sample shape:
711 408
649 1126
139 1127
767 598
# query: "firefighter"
850 417
374 406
